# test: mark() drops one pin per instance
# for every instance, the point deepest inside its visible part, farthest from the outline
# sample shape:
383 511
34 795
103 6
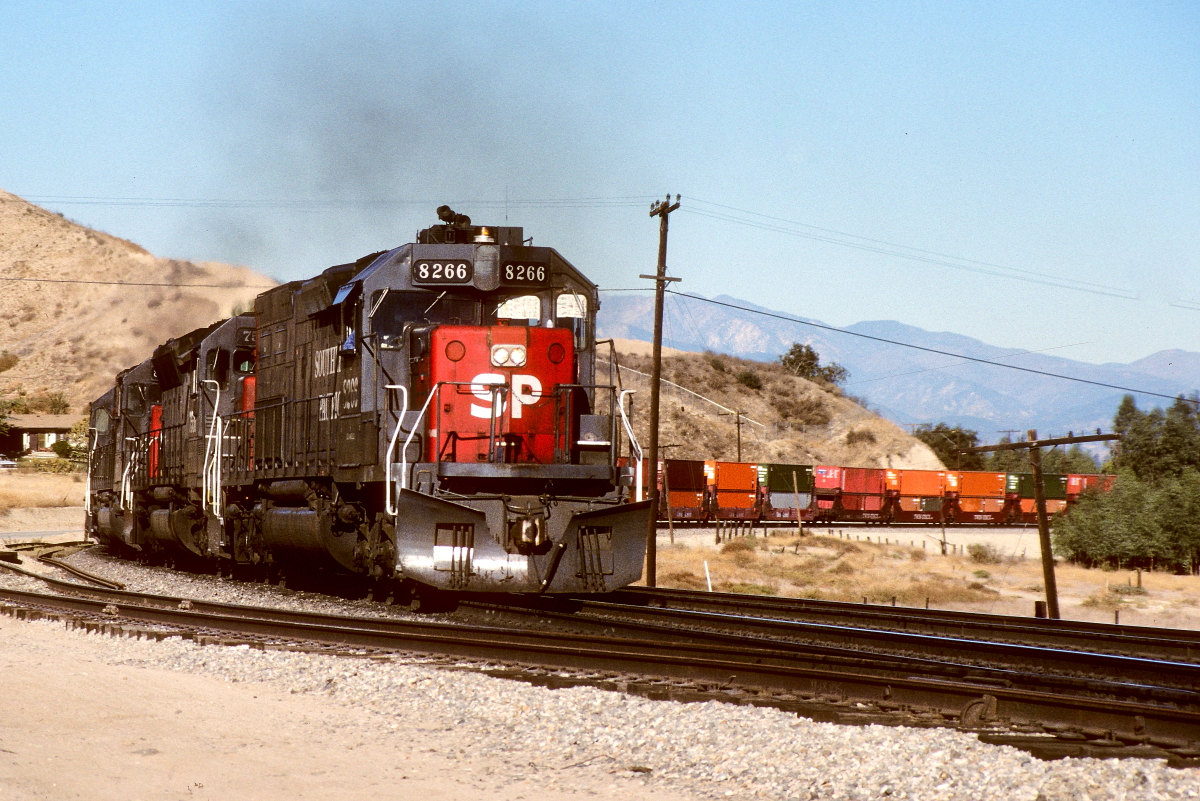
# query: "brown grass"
40 490
834 568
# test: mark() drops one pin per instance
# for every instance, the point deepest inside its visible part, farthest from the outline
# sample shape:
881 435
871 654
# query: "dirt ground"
75 727
905 563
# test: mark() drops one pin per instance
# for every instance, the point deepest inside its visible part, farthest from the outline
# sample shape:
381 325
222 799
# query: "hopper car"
694 491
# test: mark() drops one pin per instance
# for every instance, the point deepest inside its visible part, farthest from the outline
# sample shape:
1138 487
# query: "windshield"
393 310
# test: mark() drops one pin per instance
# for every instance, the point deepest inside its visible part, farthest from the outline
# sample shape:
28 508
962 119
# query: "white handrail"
435 390
210 476
634 446
126 479
412 432
92 436
388 502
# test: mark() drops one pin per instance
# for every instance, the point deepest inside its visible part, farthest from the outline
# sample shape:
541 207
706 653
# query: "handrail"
411 433
496 391
436 390
93 436
210 476
634 446
126 501
388 501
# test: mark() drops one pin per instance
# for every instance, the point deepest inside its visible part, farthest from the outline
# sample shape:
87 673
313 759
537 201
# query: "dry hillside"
74 337
794 420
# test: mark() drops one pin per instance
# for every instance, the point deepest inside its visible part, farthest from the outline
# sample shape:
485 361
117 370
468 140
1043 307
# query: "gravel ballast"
558 736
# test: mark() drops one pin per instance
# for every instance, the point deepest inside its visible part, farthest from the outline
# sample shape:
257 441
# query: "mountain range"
909 385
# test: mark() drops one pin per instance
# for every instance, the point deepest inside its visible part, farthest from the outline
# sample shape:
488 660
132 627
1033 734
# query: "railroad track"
1009 664
1178 645
665 662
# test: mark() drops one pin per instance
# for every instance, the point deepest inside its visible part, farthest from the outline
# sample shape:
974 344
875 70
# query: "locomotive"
426 417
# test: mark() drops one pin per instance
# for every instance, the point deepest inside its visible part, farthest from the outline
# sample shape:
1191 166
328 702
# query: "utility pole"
661 210
1034 446
737 417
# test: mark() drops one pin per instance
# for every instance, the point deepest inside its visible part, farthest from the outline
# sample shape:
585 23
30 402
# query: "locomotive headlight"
508 355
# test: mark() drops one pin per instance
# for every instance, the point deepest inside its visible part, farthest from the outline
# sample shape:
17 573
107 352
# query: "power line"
898 343
323 205
138 283
831 236
947 366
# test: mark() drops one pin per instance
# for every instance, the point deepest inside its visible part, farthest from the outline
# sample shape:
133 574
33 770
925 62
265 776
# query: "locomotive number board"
524 273
442 271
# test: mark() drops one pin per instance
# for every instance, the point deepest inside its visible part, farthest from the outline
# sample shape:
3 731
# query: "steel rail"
107 584
972 704
1176 644
1129 677
757 633
656 628
1157 672
81 573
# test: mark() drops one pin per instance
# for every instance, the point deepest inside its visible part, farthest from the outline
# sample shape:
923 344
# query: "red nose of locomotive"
503 394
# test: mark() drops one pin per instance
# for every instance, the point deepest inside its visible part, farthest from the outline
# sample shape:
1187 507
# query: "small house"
34 434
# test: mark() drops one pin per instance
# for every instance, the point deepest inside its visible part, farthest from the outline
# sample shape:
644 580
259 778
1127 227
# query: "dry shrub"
1103 600
744 558
684 580
746 588
984 554
802 410
8 361
940 591
842 568
749 379
917 554
842 547
739 544
858 436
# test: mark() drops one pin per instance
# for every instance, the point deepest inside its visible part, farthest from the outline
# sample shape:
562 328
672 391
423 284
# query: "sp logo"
526 390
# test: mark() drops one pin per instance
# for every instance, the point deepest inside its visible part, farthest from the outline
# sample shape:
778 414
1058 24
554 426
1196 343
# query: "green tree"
1072 460
945 441
1157 444
1007 461
803 361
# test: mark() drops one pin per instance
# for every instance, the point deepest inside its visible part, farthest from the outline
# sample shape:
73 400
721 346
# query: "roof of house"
52 422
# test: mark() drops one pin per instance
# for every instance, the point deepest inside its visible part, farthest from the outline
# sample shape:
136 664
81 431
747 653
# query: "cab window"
520 310
217 367
571 312
243 360
392 310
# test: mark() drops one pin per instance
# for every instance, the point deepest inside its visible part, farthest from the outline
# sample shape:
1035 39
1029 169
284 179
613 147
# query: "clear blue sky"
1056 141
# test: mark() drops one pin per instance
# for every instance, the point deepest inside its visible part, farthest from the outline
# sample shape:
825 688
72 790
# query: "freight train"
709 491
425 418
